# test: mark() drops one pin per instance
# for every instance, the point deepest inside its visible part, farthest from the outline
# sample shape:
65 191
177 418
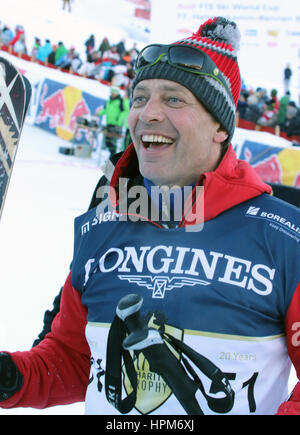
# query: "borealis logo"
253 211
283 222
162 269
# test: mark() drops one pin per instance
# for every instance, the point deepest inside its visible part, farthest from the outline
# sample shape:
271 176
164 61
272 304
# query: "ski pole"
161 360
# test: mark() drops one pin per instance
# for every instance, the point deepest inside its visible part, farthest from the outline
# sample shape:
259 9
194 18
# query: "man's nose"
152 111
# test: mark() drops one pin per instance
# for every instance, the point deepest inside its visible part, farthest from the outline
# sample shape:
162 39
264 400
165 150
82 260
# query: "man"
287 75
113 110
60 52
67 4
171 314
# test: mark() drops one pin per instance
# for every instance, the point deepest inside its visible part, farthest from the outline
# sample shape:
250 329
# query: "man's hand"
11 379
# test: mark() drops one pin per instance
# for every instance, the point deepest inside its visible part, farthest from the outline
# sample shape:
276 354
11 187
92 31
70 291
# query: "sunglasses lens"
148 56
186 57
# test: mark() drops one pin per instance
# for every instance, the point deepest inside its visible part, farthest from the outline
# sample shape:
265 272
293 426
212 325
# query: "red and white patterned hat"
219 38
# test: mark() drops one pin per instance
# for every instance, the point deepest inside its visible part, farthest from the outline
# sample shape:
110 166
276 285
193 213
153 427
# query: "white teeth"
152 138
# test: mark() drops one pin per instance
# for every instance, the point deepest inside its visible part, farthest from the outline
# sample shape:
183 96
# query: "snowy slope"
46 192
46 19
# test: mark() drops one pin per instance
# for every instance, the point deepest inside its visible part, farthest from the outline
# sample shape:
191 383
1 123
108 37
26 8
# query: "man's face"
175 138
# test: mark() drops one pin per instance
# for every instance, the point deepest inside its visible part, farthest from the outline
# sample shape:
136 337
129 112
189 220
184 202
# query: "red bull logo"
289 159
53 107
61 109
80 110
269 169
280 167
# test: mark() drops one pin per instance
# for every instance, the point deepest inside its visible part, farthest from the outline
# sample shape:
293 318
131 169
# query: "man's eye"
174 100
138 100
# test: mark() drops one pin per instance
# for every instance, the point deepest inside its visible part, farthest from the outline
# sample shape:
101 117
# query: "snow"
46 19
46 192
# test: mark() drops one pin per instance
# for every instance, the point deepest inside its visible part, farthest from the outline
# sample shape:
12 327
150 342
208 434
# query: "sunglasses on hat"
181 56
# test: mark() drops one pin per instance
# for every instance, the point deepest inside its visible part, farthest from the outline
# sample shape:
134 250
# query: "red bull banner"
59 107
279 165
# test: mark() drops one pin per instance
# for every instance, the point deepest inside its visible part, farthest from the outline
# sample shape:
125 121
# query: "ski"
15 93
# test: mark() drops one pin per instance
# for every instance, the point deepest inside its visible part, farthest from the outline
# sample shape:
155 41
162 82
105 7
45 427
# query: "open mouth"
151 141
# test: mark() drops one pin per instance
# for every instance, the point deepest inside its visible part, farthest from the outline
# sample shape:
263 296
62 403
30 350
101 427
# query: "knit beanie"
219 38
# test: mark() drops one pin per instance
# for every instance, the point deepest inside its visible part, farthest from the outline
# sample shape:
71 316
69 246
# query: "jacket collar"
231 183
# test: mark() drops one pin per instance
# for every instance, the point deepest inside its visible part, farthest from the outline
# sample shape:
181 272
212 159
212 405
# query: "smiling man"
156 319
175 137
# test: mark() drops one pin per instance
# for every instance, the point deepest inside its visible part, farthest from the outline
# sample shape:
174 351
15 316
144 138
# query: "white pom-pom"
229 34
221 29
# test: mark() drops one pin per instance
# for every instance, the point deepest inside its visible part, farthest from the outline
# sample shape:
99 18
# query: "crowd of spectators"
110 63
269 110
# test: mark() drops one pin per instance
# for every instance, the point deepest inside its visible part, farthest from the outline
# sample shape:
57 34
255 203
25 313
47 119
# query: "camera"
87 121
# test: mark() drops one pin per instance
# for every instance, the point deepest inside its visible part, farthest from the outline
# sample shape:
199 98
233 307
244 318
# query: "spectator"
125 59
89 45
18 32
104 46
292 120
60 52
242 105
253 110
125 113
20 45
113 111
130 74
51 57
262 97
76 62
44 51
122 75
6 35
134 53
91 67
274 99
36 45
269 116
284 101
119 78
104 70
120 47
110 58
112 54
287 75
65 61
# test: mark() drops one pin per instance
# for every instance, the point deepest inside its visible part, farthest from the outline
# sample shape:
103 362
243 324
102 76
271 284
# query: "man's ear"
220 135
